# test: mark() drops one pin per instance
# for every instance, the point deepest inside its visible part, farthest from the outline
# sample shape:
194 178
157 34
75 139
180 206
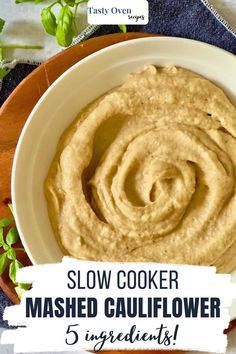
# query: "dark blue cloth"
4 302
181 18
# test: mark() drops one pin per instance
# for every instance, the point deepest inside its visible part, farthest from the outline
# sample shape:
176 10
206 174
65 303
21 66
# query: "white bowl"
61 103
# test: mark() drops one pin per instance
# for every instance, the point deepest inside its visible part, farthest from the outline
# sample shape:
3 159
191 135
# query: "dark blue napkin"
181 18
185 18
4 302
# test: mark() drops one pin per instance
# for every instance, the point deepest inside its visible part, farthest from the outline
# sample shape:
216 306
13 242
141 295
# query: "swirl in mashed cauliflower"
147 173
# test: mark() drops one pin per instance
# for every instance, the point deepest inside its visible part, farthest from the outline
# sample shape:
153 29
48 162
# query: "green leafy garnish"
1 237
20 289
4 72
70 2
9 237
123 28
2 23
14 266
6 222
49 21
35 1
62 25
3 262
65 30
12 236
11 254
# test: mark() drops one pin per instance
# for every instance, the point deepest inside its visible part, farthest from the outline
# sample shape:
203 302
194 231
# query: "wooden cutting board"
17 108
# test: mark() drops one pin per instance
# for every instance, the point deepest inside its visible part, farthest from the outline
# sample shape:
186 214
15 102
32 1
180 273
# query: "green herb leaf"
12 236
2 23
3 262
14 266
20 1
65 32
25 286
70 2
1 54
123 28
6 222
74 28
19 290
11 254
49 21
1 237
4 72
35 1
81 1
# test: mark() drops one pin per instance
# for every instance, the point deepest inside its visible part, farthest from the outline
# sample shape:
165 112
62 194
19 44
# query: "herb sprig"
62 26
8 258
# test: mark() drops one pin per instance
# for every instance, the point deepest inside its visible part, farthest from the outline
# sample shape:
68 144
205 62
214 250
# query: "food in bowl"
147 173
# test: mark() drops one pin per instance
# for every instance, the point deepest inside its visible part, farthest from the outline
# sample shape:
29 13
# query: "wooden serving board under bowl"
16 109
